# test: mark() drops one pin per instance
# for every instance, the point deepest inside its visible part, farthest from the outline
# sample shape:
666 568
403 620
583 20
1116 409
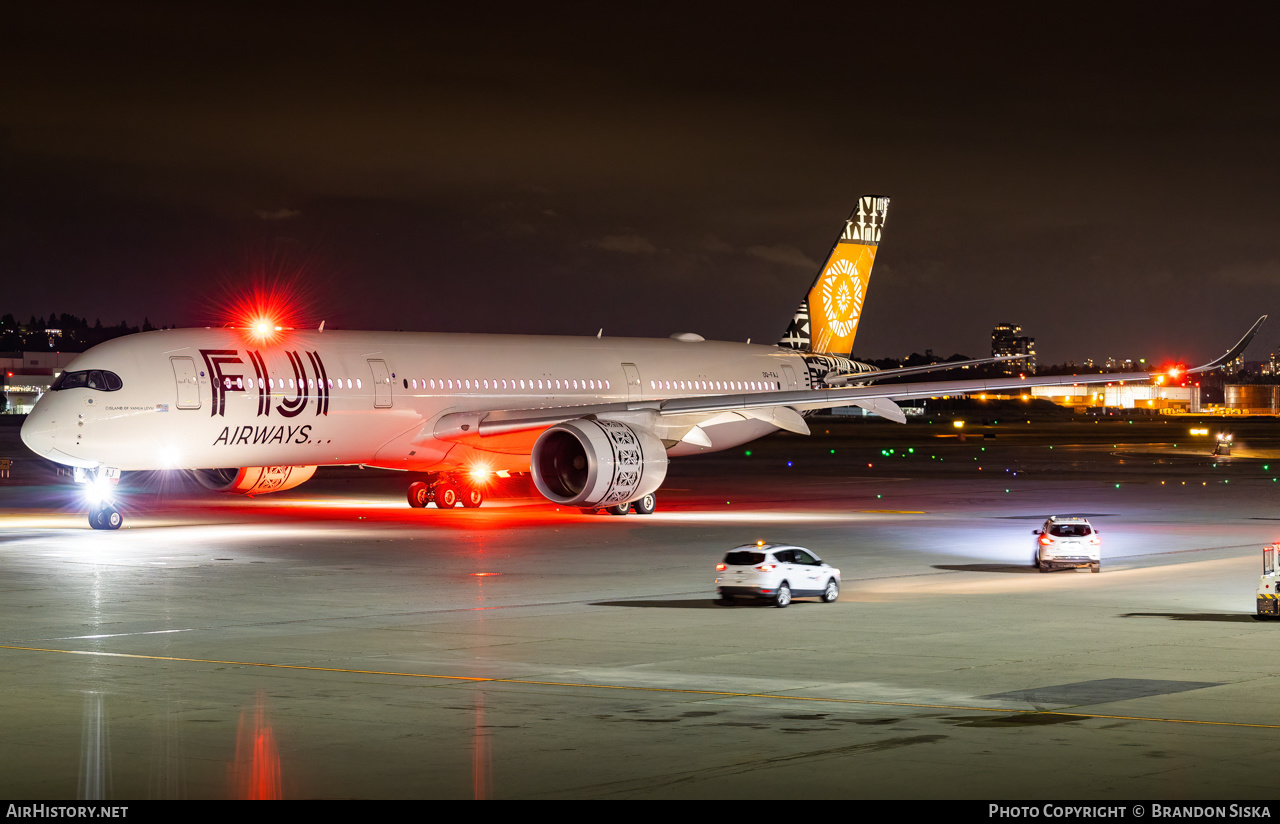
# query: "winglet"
1233 352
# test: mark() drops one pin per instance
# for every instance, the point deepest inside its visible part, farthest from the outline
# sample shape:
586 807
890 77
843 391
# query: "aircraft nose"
38 430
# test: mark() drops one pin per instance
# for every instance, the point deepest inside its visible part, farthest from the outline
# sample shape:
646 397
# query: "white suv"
776 572
1067 542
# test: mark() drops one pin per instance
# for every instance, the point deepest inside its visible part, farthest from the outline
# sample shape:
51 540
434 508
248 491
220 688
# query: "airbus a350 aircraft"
592 420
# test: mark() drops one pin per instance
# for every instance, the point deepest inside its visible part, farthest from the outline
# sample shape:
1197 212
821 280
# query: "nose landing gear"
98 484
105 517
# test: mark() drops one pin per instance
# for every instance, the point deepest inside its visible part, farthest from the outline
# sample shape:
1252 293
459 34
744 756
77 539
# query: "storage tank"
1251 399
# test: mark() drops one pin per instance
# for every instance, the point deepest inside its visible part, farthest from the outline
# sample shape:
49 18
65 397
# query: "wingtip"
1232 353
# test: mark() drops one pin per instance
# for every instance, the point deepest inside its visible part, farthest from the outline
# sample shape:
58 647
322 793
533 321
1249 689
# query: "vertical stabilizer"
827 319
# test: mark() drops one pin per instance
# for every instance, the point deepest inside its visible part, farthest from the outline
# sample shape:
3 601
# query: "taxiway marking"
634 688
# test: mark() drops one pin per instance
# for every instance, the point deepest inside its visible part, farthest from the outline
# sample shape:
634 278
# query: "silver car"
1067 542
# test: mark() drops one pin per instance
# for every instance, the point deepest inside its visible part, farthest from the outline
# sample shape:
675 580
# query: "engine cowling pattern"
589 462
254 480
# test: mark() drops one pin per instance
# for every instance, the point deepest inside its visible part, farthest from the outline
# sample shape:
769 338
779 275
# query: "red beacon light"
264 329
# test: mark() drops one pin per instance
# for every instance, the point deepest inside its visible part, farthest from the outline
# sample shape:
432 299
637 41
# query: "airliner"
593 420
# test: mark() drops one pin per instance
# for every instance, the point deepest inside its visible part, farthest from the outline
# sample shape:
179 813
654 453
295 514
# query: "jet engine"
595 463
254 480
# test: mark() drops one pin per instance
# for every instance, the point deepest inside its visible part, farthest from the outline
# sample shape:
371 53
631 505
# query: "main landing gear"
446 492
642 506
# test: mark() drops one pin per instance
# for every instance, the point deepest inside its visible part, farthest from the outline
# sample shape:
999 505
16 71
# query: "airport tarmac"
331 642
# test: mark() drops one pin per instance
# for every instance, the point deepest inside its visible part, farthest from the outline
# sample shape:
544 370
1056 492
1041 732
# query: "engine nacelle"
254 480
594 463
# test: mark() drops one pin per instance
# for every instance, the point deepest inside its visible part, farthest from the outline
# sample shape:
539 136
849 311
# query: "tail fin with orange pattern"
827 319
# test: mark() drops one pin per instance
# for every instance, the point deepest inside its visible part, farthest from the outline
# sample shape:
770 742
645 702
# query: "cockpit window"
99 379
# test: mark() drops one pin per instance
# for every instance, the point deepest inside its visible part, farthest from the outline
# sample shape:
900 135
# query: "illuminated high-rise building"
1007 340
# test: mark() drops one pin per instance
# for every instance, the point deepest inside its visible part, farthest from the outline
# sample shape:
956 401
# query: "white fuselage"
216 398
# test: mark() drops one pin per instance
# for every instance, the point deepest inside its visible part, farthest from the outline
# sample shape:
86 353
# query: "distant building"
25 376
1007 340
1152 397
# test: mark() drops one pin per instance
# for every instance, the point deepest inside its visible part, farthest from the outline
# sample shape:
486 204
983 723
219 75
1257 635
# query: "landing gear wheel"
831 593
108 517
646 505
783 597
446 496
419 493
472 497
620 509
1096 568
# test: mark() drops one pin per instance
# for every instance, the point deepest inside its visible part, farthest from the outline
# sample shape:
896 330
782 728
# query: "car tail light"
1046 540
1095 540
720 567
766 567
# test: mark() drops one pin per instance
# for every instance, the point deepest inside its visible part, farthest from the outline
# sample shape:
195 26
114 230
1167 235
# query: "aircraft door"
633 381
381 383
184 373
790 375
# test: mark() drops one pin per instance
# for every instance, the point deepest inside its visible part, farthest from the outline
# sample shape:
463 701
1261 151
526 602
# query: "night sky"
1106 175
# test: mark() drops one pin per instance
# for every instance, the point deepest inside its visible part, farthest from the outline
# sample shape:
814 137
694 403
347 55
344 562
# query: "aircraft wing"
1232 353
781 408
881 374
